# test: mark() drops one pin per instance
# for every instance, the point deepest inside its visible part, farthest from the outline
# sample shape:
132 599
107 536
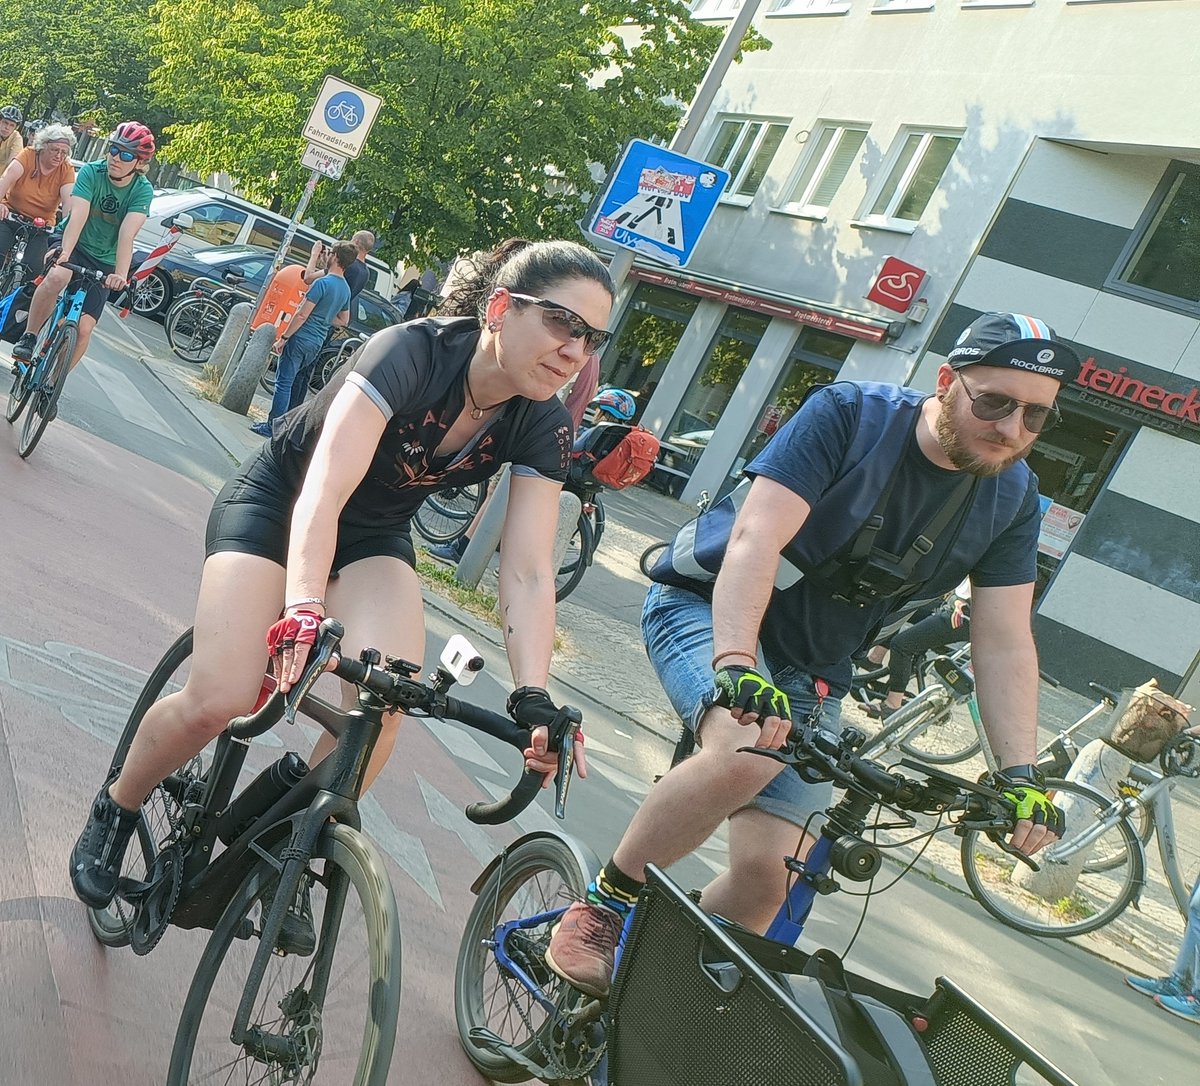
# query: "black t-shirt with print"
415 374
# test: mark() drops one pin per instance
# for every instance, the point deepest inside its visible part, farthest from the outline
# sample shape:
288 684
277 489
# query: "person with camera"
872 498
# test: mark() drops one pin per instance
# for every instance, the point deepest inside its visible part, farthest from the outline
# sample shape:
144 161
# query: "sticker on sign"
316 158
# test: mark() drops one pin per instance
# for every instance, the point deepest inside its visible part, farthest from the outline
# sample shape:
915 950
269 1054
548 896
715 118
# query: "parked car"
220 218
243 266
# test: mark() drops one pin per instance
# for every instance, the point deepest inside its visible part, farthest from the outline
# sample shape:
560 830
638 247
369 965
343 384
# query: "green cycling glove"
1032 803
744 688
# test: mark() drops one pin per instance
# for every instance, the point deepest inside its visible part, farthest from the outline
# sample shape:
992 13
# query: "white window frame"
794 8
803 204
731 195
715 9
968 4
883 7
887 221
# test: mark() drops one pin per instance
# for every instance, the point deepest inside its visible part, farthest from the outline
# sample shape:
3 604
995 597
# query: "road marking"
405 848
447 815
464 746
130 404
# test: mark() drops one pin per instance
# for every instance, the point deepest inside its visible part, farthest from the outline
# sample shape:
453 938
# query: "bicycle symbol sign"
345 111
341 117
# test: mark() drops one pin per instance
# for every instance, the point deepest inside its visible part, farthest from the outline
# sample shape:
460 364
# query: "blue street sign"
658 203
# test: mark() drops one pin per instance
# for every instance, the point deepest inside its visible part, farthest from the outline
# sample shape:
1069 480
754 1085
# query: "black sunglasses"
566 323
116 151
991 406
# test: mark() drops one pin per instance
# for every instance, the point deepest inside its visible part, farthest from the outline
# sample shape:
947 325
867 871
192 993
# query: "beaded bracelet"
753 657
304 602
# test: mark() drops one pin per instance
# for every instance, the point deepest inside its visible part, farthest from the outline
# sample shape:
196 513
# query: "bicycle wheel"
267 380
193 328
43 404
323 370
540 876
161 813
448 512
945 735
576 559
321 1019
926 707
18 395
1086 880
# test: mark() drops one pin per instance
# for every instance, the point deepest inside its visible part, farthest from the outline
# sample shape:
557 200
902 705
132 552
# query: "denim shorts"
677 629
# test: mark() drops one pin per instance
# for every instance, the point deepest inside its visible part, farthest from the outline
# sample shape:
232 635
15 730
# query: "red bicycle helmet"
134 136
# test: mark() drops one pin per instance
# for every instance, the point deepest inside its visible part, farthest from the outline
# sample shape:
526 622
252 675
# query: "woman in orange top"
34 185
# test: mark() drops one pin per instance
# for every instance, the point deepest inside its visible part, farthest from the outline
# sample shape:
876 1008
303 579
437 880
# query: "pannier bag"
14 315
1145 720
616 456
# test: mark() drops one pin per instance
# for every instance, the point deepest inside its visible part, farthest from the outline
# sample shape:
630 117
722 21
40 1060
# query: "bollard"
1101 768
227 345
486 537
242 376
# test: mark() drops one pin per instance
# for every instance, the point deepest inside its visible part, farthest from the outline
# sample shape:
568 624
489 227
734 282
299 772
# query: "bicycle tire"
930 700
18 395
576 560
359 954
943 738
1072 895
43 404
650 556
8 275
599 517
110 925
539 875
267 381
193 327
448 512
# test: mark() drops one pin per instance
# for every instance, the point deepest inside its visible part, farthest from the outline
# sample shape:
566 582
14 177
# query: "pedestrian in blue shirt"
326 305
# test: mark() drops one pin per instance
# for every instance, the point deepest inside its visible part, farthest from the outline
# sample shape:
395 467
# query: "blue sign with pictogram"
341 117
657 202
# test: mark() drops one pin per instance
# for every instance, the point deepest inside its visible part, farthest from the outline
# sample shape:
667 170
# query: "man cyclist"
798 593
35 185
10 134
108 204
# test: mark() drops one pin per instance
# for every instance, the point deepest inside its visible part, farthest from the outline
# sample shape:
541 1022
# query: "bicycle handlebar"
43 225
401 691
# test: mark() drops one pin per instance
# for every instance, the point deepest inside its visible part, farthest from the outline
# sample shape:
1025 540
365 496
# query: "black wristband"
1026 771
520 694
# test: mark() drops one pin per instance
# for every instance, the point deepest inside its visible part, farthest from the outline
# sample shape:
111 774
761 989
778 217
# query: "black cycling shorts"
253 512
97 293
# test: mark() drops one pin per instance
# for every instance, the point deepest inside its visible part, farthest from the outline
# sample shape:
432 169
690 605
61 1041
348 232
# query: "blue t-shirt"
329 296
804 625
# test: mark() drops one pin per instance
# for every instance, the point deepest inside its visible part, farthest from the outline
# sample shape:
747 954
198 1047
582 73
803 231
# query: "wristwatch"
1027 772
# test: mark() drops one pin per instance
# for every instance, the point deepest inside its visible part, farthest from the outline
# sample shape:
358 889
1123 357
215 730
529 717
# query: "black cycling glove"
744 688
531 707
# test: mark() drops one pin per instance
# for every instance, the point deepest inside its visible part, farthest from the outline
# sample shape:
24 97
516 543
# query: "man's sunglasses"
992 406
566 323
119 152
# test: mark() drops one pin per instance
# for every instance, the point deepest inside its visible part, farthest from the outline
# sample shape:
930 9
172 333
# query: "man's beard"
957 452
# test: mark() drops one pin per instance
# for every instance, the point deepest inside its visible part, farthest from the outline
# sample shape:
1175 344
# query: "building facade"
1039 158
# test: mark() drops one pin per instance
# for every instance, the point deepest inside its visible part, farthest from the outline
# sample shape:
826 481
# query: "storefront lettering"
1184 406
845 325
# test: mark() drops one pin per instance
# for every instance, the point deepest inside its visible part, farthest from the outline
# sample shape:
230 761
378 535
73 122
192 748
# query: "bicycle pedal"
245 930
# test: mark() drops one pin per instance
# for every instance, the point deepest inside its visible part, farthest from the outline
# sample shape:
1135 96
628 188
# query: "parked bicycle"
697 999
196 318
39 383
329 359
258 1009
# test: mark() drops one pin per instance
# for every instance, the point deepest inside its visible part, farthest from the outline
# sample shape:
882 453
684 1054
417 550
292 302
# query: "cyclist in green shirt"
106 209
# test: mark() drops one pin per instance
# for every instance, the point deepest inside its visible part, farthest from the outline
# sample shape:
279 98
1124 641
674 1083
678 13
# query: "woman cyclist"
423 405
35 185
108 204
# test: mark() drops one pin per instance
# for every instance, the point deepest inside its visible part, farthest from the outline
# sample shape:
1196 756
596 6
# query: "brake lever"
566 726
329 638
1004 846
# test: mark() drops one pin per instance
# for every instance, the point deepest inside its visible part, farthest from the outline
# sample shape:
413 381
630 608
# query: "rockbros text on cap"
1014 341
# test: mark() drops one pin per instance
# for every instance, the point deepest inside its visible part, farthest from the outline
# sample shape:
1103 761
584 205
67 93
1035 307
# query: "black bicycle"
259 1010
14 271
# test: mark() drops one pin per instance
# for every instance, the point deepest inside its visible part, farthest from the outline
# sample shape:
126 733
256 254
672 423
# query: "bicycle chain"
555 1067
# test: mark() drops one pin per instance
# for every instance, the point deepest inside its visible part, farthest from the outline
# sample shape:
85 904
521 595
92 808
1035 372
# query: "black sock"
614 889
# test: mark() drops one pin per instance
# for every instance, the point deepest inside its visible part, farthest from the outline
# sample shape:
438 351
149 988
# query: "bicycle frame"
1152 790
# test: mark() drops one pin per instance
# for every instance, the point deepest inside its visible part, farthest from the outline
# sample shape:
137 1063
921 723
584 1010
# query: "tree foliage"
495 111
89 58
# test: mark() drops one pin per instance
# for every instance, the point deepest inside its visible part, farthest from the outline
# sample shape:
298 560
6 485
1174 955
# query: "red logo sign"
896 285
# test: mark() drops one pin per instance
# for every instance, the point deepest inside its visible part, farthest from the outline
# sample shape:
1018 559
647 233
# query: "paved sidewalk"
603 660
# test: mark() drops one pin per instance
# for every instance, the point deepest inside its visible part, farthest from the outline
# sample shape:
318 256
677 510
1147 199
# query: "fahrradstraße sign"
341 117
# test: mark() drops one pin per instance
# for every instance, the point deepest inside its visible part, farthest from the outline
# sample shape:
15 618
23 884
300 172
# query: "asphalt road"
100 533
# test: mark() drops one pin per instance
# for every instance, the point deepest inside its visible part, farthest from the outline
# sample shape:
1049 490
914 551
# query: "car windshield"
217 256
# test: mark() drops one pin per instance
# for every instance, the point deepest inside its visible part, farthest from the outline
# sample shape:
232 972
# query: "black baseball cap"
1014 341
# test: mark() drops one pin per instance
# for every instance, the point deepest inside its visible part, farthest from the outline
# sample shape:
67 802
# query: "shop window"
650 330
1161 263
834 150
912 179
724 363
814 360
745 147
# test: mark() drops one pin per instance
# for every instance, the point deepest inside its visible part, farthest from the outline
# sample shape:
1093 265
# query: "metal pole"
689 123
